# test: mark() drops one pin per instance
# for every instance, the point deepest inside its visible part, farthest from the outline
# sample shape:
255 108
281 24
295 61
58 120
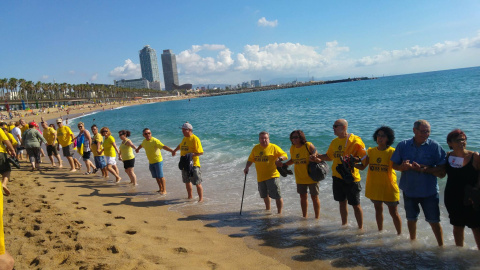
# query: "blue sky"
234 41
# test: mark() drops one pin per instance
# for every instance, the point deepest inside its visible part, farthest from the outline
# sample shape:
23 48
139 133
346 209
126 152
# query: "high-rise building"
149 64
170 73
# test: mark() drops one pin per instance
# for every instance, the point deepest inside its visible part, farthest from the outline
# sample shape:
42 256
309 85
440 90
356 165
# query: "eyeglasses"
80 126
103 131
120 134
147 133
460 140
335 126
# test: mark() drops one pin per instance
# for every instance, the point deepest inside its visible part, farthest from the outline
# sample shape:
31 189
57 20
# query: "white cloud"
193 63
129 70
94 77
263 22
417 51
44 77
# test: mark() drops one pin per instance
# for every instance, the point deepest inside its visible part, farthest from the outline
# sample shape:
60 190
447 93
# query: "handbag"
317 171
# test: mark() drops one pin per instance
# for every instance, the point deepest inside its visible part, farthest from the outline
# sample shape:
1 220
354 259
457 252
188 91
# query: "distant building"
256 83
170 73
149 64
135 83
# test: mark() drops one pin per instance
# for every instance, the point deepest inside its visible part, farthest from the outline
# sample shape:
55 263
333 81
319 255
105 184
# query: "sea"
228 128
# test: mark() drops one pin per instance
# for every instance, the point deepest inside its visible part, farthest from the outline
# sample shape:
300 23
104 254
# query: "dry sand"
60 220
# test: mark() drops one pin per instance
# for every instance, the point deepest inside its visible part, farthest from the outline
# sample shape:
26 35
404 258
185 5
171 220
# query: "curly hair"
387 131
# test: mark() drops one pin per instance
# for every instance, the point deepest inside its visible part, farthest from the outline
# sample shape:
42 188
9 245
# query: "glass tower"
170 73
149 64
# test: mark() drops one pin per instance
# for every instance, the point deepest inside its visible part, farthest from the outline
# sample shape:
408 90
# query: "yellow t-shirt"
12 139
64 136
381 177
24 128
355 147
3 137
264 159
108 146
300 157
191 144
49 135
152 149
10 127
95 139
126 151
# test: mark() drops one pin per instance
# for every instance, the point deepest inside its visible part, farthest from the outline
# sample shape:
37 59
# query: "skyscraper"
149 64
169 65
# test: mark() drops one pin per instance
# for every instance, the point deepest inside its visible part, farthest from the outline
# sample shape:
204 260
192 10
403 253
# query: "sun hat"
187 126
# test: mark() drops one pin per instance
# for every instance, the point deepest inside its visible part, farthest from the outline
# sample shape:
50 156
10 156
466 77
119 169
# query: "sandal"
87 173
95 170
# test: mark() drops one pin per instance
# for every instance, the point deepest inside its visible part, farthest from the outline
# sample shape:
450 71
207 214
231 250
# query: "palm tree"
12 86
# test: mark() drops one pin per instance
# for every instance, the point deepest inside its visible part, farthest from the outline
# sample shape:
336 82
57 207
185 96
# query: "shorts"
270 188
100 162
387 203
51 150
68 150
111 161
430 207
34 154
346 191
4 164
156 169
86 155
20 148
303 189
129 163
196 179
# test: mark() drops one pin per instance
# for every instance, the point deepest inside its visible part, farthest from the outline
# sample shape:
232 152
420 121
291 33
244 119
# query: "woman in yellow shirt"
300 152
127 156
381 187
110 151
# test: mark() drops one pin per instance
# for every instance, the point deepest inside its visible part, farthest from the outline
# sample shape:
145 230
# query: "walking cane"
241 206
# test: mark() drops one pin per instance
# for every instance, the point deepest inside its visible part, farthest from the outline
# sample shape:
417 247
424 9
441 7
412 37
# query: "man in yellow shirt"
267 157
191 145
152 149
6 260
65 138
344 145
50 134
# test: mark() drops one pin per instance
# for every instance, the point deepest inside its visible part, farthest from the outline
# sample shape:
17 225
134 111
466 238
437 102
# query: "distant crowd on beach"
419 159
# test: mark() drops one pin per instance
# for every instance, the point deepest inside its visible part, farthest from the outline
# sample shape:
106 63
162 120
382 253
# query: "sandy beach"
60 220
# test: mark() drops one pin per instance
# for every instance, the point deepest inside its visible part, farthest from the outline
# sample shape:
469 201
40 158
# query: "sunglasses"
147 133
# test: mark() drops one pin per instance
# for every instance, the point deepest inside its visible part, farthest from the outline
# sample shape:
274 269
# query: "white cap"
187 126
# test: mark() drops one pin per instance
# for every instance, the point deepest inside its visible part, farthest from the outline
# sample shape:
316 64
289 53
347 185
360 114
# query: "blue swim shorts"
429 205
100 162
156 169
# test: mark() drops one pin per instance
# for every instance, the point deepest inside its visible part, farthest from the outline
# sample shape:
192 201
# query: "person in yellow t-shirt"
267 157
110 151
6 260
97 150
191 144
50 134
300 152
381 187
127 156
344 145
65 139
153 148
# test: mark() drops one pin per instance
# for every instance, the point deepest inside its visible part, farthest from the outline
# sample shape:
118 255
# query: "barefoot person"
110 151
462 169
344 191
300 152
381 187
421 160
127 156
50 134
65 138
152 149
6 260
267 157
87 142
31 142
191 145
97 151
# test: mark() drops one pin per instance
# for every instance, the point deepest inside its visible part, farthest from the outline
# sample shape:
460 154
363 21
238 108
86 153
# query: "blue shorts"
430 207
156 169
100 162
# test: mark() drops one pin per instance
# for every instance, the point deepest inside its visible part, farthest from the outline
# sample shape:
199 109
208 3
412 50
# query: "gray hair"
419 123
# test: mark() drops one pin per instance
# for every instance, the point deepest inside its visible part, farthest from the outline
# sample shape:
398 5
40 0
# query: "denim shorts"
100 162
429 205
156 169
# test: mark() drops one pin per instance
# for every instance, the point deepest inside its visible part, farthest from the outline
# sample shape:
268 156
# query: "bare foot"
53 166
6 191
60 166
200 200
73 170
118 179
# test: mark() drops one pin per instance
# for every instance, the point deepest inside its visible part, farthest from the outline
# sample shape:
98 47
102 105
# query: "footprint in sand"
36 227
42 196
180 250
79 221
108 224
114 249
74 202
108 211
35 262
131 232
28 234
82 208
119 217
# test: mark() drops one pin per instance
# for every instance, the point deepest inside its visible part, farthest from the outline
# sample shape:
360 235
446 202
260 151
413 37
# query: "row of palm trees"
13 89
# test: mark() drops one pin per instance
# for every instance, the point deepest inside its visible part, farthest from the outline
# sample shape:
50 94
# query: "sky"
229 42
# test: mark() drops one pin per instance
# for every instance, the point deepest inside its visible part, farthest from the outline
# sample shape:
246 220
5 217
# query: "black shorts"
346 191
86 155
52 150
4 164
129 163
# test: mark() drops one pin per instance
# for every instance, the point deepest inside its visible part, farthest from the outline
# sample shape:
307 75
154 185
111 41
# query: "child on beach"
381 187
